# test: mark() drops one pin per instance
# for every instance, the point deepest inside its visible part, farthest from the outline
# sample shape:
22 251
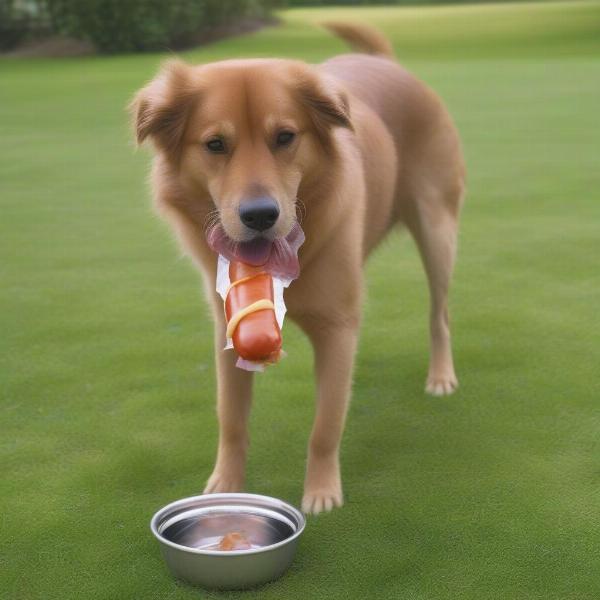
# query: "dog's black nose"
259 213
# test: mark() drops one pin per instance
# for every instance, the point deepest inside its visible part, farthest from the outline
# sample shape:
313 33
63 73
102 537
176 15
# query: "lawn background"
106 378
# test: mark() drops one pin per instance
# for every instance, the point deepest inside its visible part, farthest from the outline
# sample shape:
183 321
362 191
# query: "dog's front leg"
334 347
234 399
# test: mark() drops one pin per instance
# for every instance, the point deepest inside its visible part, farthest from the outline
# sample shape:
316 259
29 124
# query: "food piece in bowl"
235 540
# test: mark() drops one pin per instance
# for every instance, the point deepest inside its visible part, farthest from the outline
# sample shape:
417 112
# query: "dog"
353 147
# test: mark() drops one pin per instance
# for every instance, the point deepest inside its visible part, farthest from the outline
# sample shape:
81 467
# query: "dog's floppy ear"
161 109
327 106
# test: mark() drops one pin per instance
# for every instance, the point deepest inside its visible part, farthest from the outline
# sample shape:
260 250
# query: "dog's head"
245 133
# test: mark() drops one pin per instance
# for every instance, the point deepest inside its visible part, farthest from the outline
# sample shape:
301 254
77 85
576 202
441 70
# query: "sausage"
234 541
256 335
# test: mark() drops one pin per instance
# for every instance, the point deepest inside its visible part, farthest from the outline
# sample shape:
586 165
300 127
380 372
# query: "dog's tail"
362 38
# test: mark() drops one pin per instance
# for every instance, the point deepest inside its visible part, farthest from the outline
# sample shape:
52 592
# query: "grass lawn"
106 381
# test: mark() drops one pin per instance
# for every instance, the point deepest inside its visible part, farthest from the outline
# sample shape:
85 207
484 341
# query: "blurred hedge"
127 25
293 3
138 25
20 20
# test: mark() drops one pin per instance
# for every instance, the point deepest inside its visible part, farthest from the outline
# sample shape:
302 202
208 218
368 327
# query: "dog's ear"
160 110
326 105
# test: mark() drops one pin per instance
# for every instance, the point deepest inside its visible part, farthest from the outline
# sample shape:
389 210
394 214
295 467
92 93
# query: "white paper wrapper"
223 283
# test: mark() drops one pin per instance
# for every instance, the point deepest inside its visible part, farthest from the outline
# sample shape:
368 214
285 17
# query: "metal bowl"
189 532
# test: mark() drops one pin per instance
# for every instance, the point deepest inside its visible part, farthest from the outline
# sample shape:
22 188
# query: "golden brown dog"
361 145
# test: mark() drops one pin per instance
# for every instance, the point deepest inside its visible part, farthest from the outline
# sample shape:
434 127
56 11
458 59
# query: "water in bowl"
206 530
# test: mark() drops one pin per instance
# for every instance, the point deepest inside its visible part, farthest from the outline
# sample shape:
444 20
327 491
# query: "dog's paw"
441 385
317 501
218 482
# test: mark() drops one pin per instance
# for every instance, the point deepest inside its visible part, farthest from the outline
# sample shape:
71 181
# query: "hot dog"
250 314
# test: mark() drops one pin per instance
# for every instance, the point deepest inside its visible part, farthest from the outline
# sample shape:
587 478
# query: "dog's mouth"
278 257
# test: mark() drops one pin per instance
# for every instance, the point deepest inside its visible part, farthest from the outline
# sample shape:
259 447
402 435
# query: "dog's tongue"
279 257
256 252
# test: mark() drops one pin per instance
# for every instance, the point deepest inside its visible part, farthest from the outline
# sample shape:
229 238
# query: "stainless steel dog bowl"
189 532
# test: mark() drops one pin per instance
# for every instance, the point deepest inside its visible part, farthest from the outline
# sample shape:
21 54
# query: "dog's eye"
285 138
216 146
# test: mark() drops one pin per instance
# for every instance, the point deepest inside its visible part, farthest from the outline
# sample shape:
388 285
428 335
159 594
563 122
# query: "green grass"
106 378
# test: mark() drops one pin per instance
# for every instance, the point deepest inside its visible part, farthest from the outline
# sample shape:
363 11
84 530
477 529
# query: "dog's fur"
374 148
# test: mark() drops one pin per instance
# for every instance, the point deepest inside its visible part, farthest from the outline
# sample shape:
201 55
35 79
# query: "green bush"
137 25
14 24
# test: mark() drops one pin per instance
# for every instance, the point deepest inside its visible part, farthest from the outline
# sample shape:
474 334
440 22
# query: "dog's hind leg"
433 222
